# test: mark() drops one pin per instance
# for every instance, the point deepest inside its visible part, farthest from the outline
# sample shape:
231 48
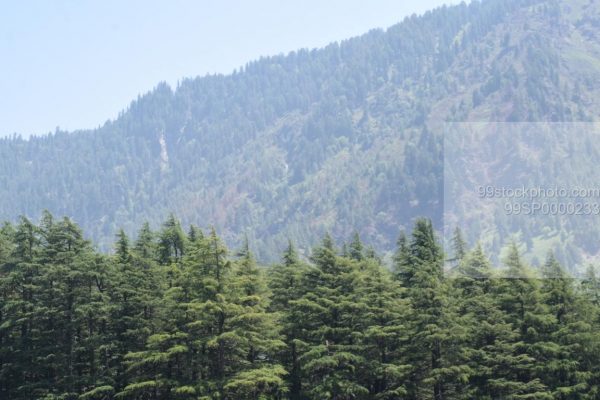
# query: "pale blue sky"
77 63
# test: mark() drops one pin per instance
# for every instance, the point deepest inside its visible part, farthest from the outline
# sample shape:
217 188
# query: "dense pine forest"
173 314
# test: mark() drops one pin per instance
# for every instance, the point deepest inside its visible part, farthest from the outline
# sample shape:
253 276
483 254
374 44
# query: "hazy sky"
77 63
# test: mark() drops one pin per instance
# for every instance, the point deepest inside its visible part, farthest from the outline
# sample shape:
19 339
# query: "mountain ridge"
342 138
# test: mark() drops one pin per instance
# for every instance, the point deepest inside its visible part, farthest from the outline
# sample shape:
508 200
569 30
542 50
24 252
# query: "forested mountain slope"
342 138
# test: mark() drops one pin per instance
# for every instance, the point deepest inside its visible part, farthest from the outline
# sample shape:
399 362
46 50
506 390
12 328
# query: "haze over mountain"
343 138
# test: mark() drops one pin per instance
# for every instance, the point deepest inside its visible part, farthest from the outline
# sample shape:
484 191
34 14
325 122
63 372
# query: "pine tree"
355 251
134 292
590 302
144 245
435 333
171 242
284 279
562 336
402 268
518 295
590 286
493 343
20 286
194 234
6 311
168 365
383 315
326 323
122 250
218 339
258 375
69 327
285 283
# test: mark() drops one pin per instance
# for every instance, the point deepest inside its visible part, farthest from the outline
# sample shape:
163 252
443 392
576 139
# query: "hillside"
343 138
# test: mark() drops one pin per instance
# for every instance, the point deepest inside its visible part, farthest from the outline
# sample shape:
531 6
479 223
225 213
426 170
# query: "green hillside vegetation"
173 314
336 139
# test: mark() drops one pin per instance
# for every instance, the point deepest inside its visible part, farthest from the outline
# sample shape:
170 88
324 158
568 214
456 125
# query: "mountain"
347 137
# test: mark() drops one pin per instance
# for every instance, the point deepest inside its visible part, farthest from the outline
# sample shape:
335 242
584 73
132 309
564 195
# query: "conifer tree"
435 332
563 336
284 279
326 326
20 277
219 338
383 315
492 342
285 284
355 249
68 292
402 269
144 245
134 293
590 303
194 234
171 242
257 374
6 312
590 286
122 250
518 296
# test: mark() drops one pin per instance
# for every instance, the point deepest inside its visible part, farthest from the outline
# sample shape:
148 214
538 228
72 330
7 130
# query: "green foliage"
198 323
286 142
290 147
